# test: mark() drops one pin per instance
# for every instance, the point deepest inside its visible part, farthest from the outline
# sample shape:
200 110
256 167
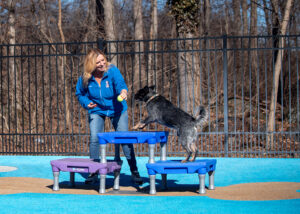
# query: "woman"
97 90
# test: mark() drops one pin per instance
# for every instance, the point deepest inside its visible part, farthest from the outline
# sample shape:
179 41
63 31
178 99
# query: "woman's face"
100 63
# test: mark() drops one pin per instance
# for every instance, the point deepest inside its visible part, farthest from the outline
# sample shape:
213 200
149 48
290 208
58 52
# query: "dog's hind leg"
194 151
187 158
184 140
188 153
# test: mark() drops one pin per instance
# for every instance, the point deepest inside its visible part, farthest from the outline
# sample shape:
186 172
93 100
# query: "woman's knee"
120 122
96 125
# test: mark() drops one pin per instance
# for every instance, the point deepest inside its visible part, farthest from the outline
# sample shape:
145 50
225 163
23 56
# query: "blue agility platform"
133 137
176 167
163 166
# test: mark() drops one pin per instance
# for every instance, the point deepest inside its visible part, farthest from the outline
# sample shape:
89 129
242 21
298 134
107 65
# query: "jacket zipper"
107 112
100 91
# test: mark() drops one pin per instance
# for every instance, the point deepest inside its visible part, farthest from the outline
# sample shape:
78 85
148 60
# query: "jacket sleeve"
119 81
81 94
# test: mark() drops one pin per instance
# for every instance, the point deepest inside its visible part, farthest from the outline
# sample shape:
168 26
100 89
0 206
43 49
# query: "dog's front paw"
138 126
135 127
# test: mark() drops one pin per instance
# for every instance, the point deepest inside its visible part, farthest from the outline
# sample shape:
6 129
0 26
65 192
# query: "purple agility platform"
82 165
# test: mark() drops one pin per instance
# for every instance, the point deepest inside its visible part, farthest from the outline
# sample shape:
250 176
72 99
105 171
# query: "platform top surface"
176 167
178 163
79 162
133 137
83 165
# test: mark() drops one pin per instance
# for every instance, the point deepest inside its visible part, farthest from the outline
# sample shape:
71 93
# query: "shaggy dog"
162 111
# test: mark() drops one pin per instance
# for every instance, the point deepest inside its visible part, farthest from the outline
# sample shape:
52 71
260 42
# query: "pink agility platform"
82 165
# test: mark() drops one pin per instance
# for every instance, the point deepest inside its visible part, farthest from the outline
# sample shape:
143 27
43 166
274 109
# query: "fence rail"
232 76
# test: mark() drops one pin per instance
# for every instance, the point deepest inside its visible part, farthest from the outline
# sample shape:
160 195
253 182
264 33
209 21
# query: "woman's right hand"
91 105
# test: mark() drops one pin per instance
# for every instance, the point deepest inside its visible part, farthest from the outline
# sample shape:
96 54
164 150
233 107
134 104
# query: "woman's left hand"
123 94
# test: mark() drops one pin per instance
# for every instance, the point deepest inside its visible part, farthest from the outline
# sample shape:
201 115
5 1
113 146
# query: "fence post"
225 89
101 44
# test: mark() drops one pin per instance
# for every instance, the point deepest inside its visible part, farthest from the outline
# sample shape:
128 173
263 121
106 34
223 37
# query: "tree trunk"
186 68
206 25
267 17
63 75
253 45
206 12
139 46
100 20
42 18
152 45
14 81
110 29
275 38
91 21
237 28
253 19
244 16
227 17
271 121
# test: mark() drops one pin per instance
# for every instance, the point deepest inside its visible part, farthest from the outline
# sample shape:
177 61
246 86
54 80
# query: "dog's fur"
162 111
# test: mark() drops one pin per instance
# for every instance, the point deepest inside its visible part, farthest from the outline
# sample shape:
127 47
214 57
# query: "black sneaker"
119 161
136 178
93 177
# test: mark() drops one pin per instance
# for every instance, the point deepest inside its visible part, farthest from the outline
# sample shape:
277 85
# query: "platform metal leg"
163 151
117 180
164 181
72 179
211 180
152 185
103 153
102 184
202 184
55 181
151 153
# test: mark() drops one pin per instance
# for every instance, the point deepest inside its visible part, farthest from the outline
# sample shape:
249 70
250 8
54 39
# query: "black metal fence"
232 76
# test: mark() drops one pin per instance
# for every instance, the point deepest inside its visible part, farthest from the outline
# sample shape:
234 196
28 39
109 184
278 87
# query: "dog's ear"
152 87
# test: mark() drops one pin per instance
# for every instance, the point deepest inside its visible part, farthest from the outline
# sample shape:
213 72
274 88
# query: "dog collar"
151 98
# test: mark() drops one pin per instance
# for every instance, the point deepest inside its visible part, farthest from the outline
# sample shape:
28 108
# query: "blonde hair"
90 64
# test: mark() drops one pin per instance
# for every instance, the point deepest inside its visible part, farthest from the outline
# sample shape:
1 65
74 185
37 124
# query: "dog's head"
145 93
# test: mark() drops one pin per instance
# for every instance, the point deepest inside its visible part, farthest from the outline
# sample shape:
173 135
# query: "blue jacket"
105 96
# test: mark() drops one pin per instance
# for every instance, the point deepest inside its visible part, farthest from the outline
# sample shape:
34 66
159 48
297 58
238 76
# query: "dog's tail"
201 116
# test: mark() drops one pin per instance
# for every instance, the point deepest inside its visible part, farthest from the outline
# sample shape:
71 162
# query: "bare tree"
63 74
278 64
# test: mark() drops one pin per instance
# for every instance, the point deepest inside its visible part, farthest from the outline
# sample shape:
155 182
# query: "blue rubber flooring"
229 171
